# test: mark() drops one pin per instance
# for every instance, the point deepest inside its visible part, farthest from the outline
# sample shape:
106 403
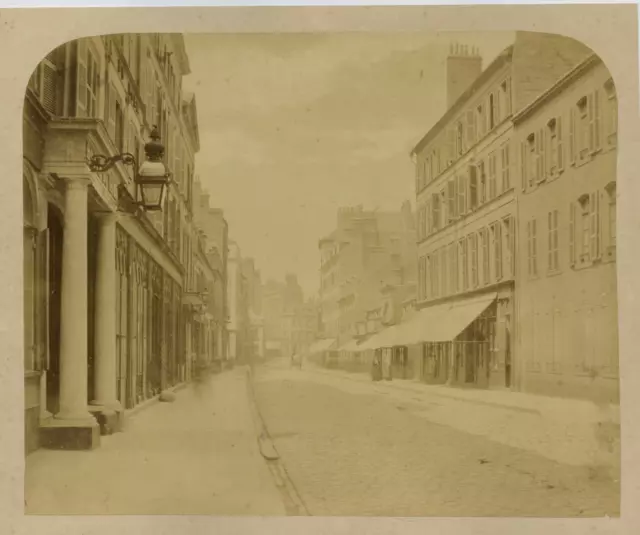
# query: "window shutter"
549 241
534 233
592 121
560 149
594 226
451 147
572 136
539 139
471 128
572 234
523 164
49 86
556 245
42 300
597 120
81 78
111 112
451 198
597 224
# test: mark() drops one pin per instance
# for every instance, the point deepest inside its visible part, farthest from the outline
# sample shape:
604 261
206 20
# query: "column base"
110 420
70 434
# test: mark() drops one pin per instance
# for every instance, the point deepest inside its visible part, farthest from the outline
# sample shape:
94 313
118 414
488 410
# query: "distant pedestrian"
199 378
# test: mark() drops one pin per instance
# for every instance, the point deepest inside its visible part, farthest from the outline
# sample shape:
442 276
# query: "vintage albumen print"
321 274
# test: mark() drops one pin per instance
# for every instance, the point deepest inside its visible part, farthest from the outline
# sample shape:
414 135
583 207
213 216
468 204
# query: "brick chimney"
464 65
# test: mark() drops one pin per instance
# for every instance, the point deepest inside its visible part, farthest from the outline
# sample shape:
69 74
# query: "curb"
292 500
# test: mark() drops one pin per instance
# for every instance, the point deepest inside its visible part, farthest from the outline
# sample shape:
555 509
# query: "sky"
294 126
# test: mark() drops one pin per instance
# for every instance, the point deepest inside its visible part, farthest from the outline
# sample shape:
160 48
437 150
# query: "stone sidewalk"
572 432
197 456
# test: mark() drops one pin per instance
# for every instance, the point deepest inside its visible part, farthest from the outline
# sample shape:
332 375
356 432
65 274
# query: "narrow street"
353 451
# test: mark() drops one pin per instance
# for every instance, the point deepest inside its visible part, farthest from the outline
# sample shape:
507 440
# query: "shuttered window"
462 195
594 226
552 241
471 129
486 259
493 176
505 166
473 254
572 234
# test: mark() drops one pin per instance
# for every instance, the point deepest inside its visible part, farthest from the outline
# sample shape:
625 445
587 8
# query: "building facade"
566 191
238 328
104 284
466 191
366 252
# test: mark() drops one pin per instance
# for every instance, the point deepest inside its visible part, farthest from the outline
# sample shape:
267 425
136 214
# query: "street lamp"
150 179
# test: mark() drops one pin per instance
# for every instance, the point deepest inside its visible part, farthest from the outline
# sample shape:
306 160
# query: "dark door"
54 223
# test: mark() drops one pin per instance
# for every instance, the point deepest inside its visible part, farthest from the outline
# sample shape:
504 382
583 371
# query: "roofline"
580 69
503 58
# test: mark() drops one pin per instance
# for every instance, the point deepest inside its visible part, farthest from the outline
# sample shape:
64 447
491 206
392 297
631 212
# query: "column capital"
107 217
76 181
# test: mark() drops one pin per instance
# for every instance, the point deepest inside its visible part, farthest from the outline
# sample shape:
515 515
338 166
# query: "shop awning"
439 323
384 338
442 323
321 345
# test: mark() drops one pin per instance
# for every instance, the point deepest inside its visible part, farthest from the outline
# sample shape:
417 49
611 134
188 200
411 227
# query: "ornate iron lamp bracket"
99 163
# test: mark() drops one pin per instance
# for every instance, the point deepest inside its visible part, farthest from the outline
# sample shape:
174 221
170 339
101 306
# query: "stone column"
106 404
73 427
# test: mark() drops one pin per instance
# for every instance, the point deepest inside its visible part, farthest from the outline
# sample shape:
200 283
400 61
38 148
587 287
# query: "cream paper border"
27 35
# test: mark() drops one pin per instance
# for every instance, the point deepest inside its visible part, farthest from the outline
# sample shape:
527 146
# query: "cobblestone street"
360 452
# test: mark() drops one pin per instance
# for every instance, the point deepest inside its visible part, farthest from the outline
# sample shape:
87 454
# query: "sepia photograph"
321 274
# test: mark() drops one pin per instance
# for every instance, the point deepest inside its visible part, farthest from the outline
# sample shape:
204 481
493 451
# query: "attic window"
531 138
552 123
